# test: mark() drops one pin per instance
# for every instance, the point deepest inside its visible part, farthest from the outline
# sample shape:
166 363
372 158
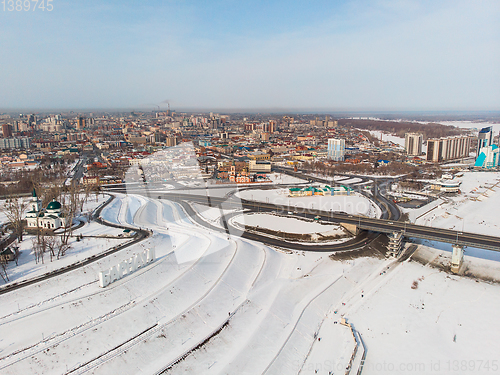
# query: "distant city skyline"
280 56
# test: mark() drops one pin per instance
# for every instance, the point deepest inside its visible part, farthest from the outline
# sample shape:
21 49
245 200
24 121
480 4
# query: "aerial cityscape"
260 188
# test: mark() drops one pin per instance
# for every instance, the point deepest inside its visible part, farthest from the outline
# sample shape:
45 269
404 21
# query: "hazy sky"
338 55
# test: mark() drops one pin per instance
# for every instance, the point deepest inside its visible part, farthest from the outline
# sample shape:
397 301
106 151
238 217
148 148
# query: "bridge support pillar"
395 243
457 258
351 228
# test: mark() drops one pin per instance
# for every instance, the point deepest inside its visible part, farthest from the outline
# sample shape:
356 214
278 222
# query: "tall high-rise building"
488 158
336 149
448 148
7 130
171 141
31 120
484 139
331 124
250 127
80 123
272 126
413 143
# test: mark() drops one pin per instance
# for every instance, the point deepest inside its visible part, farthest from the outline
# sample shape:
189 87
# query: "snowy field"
93 201
211 304
471 211
97 230
473 125
354 204
199 283
459 124
446 325
27 268
280 178
287 224
386 137
350 181
211 215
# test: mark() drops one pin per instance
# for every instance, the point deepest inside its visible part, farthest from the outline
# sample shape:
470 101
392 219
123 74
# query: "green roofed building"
50 218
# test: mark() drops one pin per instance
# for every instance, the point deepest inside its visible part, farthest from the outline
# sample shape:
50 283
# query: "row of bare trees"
400 128
45 242
50 171
394 168
14 209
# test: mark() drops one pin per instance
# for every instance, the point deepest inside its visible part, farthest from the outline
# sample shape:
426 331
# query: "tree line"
431 130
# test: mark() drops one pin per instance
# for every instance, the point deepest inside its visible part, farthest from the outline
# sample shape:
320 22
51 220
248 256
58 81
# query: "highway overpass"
363 223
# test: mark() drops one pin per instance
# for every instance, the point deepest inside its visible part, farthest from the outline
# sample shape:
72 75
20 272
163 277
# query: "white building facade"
413 144
50 218
336 149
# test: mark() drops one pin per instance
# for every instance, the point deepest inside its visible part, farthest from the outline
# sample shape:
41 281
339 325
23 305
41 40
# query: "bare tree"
3 270
62 248
87 190
97 190
47 191
70 209
14 208
38 245
51 244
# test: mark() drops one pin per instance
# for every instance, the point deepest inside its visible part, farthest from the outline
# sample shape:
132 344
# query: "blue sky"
333 55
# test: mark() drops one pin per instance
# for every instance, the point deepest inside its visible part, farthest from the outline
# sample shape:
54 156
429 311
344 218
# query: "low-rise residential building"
259 166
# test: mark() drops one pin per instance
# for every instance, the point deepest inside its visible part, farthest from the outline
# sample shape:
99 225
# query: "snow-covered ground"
353 180
473 125
211 304
287 224
199 282
27 268
280 178
386 137
445 325
353 204
93 201
95 229
459 124
211 215
471 211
